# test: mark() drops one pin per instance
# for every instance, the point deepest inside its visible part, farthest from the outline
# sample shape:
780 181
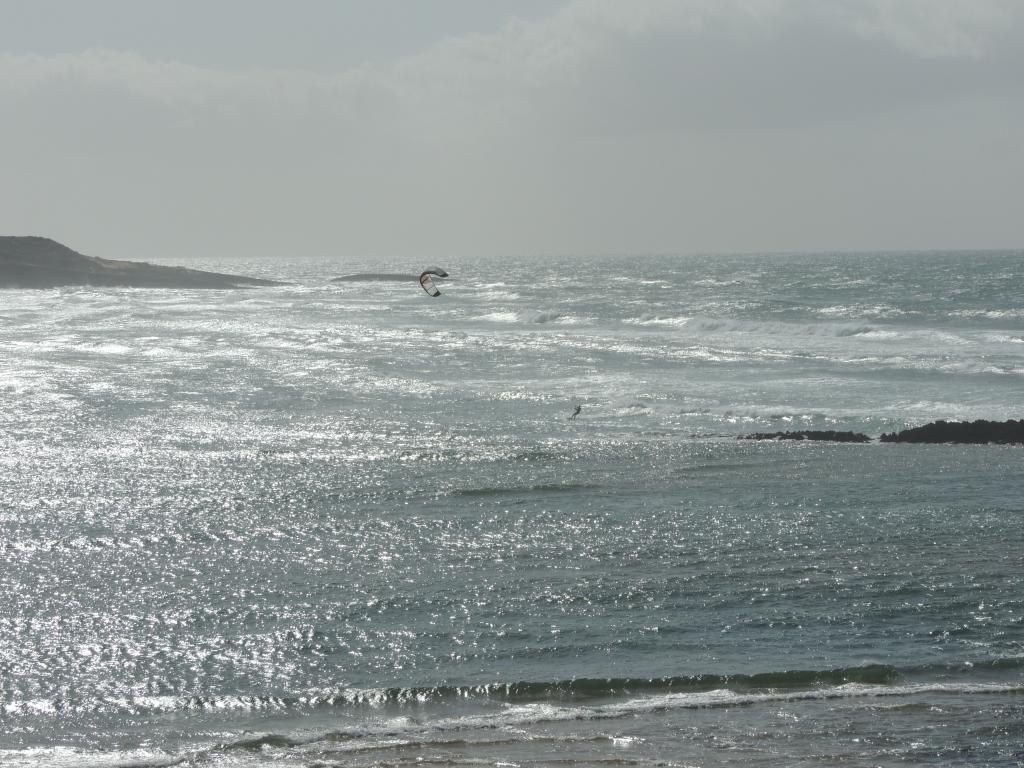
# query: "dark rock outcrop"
38 262
811 434
981 431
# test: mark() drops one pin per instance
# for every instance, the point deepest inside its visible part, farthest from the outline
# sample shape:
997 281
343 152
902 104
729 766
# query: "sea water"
352 525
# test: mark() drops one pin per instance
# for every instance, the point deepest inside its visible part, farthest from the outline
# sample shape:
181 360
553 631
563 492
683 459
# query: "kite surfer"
428 284
576 412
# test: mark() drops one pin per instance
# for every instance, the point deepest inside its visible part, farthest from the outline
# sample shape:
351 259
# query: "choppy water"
326 525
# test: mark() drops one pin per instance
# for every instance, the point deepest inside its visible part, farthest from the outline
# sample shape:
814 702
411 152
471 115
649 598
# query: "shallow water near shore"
330 525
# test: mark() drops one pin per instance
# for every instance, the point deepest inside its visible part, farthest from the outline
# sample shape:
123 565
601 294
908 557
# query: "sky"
393 129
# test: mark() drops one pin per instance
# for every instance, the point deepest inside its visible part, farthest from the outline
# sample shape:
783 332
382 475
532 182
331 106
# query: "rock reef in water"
975 432
1010 432
39 262
811 434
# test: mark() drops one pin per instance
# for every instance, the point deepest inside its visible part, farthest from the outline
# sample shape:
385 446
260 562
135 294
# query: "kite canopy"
428 284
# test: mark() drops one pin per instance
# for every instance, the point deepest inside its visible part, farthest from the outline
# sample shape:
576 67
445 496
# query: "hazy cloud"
667 125
936 28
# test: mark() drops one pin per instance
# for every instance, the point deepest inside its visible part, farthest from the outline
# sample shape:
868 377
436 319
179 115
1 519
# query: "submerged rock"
39 262
811 434
980 431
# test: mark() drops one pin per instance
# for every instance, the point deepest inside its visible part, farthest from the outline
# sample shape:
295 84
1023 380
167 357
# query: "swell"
466 729
488 727
600 688
888 332
879 677
703 325
537 488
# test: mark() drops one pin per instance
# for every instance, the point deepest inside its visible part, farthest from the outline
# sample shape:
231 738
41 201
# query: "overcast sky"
389 129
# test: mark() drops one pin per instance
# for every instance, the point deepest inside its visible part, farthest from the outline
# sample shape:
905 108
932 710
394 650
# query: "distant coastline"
39 262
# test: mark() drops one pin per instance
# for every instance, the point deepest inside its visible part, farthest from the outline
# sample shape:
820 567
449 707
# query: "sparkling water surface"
348 524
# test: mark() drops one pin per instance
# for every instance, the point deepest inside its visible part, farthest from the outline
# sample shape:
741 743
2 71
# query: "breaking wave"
701 690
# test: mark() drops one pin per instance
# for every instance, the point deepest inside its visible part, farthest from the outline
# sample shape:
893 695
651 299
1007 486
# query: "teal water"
332 525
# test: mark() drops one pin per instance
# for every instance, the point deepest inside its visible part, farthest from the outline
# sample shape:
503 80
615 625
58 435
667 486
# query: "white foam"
499 317
990 314
676 321
1002 338
539 317
69 757
549 316
724 697
107 348
403 731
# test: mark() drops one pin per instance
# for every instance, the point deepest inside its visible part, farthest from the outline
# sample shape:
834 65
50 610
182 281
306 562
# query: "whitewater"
349 524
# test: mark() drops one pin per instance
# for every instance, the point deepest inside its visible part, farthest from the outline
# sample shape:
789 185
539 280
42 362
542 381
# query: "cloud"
936 28
606 126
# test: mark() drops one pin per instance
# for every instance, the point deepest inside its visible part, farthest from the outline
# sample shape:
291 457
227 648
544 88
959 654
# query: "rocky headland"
39 262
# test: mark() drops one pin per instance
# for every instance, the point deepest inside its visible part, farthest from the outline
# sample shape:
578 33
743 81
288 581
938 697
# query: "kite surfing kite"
428 284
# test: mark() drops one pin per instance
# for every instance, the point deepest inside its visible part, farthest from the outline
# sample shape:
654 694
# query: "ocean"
353 525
